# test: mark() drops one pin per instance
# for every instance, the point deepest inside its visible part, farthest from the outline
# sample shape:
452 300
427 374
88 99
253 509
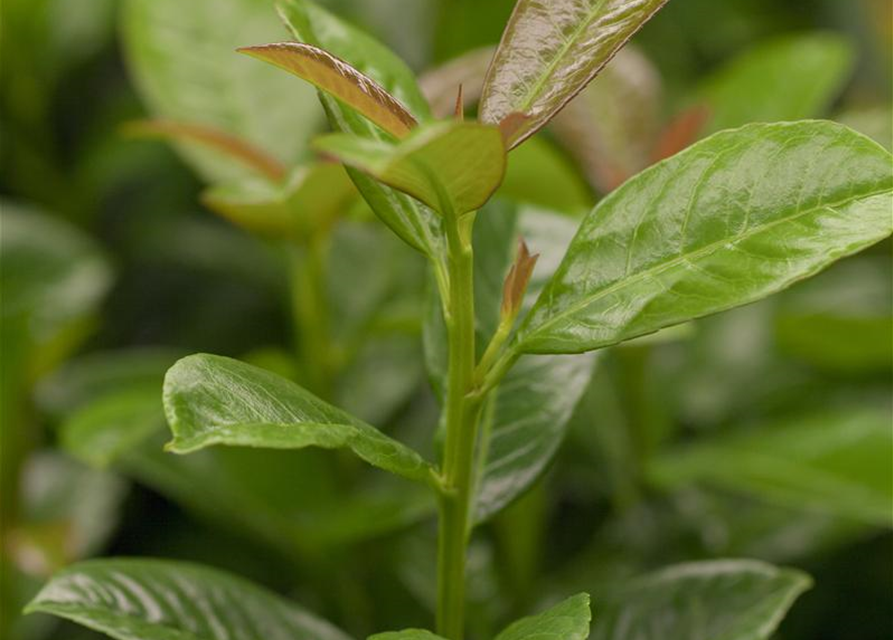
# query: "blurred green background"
112 269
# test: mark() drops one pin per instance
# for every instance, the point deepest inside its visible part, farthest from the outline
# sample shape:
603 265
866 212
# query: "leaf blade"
568 620
728 205
550 51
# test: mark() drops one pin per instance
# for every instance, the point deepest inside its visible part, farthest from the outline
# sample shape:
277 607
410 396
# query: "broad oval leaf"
551 50
340 80
453 167
730 220
131 599
212 400
414 223
181 58
716 600
836 463
567 620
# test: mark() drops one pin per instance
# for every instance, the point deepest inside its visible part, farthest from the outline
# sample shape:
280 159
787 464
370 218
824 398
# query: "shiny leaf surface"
340 80
568 620
551 50
166 600
717 600
453 167
215 400
734 218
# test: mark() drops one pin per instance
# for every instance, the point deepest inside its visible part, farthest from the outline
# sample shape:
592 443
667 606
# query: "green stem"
461 432
311 312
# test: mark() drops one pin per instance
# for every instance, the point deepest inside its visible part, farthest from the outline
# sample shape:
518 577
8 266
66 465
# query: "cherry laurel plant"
734 218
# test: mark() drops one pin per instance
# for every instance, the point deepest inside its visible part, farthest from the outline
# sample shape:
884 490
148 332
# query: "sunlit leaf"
730 220
167 600
453 167
551 50
568 620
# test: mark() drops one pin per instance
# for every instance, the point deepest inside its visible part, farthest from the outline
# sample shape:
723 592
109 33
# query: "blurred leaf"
341 81
539 174
550 51
841 320
146 598
415 224
406 634
453 167
791 78
214 400
610 126
701 233
717 600
835 462
876 123
183 61
311 197
568 620
441 84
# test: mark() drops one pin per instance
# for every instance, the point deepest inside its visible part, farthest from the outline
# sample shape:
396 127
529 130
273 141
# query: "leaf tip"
515 284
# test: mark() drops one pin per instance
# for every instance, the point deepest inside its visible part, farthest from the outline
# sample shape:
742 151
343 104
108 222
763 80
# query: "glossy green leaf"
340 80
836 462
716 600
785 79
551 50
730 220
131 599
453 167
183 61
311 197
415 224
567 620
406 634
215 400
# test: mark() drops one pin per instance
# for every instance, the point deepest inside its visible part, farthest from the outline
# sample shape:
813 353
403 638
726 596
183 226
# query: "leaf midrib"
682 258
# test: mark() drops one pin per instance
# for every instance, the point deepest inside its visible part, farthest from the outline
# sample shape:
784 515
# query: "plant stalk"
461 433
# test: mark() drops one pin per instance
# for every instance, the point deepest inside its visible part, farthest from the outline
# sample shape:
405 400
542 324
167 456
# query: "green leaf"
212 400
540 174
406 634
132 599
311 197
568 620
415 224
728 221
338 79
551 50
836 462
790 78
453 167
716 600
183 62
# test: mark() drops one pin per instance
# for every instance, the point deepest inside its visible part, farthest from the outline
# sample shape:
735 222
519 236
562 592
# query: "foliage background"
179 280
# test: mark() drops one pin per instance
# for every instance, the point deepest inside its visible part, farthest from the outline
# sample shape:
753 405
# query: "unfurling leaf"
167 600
340 80
730 220
220 141
568 620
516 281
213 400
550 51
453 167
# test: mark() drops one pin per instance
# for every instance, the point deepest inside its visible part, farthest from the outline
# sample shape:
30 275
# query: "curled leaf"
516 281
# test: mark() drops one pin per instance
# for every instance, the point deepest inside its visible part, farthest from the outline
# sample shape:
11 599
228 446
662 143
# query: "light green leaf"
785 79
728 221
551 50
406 634
183 61
338 79
312 196
836 462
716 600
415 224
130 599
212 400
568 620
453 167
540 174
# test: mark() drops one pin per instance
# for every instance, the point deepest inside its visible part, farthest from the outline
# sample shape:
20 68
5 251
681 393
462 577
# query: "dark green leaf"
453 167
214 400
717 600
734 218
165 600
568 620
836 462
551 50
406 634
